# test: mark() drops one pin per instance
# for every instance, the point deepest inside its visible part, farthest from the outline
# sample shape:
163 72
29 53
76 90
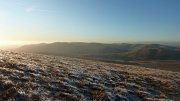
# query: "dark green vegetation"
112 52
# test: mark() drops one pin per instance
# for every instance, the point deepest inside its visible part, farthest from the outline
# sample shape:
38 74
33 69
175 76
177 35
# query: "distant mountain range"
101 51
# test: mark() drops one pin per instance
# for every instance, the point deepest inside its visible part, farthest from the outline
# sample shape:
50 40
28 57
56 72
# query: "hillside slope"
25 77
106 51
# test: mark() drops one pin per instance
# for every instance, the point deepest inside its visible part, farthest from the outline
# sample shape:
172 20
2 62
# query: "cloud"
30 9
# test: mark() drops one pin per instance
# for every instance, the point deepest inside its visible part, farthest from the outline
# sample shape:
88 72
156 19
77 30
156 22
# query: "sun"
8 42
4 42
13 42
6 39
2 37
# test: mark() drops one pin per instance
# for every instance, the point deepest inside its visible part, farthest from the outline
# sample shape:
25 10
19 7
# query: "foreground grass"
42 77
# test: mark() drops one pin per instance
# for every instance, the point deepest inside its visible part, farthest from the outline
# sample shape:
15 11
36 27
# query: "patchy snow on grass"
27 76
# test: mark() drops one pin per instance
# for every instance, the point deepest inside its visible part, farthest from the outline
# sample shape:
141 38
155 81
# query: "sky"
105 21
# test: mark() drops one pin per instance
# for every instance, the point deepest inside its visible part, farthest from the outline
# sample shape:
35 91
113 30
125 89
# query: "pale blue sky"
90 20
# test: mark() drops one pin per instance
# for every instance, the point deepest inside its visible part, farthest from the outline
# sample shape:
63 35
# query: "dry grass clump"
63 96
97 93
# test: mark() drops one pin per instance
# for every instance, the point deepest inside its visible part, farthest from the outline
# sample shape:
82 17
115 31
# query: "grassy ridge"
106 51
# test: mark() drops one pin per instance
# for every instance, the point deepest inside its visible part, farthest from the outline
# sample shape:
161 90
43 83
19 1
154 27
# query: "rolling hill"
101 51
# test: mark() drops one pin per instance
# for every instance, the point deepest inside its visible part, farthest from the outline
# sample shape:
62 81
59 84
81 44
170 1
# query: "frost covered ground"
41 77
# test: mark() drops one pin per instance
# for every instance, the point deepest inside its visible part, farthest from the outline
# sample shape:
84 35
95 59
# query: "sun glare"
5 42
18 42
9 42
